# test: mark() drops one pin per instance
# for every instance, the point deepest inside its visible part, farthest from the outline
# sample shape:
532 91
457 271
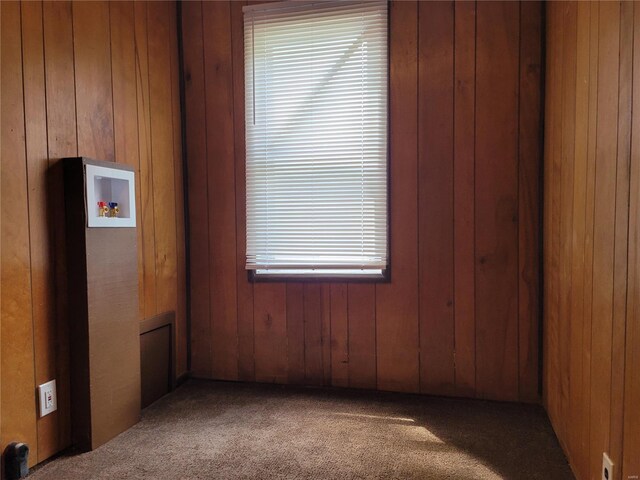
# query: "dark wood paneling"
17 361
197 179
246 369
604 233
631 428
339 335
155 358
312 301
125 120
92 65
146 223
464 282
62 142
219 97
397 325
90 60
362 336
435 201
464 196
496 200
270 332
591 235
42 285
529 198
295 333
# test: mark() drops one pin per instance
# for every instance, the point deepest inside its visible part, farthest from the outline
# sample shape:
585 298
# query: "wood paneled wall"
460 316
94 79
592 233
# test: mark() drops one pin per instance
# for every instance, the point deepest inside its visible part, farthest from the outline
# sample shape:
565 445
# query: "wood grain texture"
270 332
163 181
620 274
551 129
418 332
194 92
529 198
631 427
397 319
590 326
246 370
295 333
567 156
339 335
61 142
125 109
435 196
87 60
221 161
578 266
181 335
362 336
147 218
604 231
94 95
496 206
313 366
17 362
464 197
42 272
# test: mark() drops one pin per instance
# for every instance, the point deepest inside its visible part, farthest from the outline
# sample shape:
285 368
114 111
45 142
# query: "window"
316 136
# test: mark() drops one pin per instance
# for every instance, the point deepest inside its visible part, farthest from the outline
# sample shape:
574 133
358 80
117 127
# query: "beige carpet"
216 430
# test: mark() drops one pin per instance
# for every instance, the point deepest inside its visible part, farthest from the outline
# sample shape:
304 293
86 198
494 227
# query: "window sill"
384 277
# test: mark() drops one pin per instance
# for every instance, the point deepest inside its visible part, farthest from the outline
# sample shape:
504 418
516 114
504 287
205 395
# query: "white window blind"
316 137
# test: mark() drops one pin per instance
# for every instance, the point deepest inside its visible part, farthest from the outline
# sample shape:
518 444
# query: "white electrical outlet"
607 468
48 399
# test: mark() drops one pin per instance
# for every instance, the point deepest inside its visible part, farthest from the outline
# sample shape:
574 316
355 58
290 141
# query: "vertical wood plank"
339 340
270 327
222 208
17 362
181 267
463 209
313 371
397 318
196 118
578 269
362 334
42 273
566 202
529 198
147 222
162 155
585 456
435 196
604 231
621 232
631 435
497 200
61 142
245 288
92 62
325 339
295 333
550 134
125 110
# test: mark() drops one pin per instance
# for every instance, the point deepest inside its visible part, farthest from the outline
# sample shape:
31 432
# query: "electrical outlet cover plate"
48 398
607 468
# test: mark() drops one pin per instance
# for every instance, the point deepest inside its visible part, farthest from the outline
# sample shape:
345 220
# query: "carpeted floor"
216 430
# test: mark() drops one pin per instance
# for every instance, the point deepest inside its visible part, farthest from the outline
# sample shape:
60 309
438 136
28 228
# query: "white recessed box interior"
110 185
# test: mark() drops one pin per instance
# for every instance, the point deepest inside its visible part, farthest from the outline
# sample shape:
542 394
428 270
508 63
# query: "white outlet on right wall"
607 468
48 398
